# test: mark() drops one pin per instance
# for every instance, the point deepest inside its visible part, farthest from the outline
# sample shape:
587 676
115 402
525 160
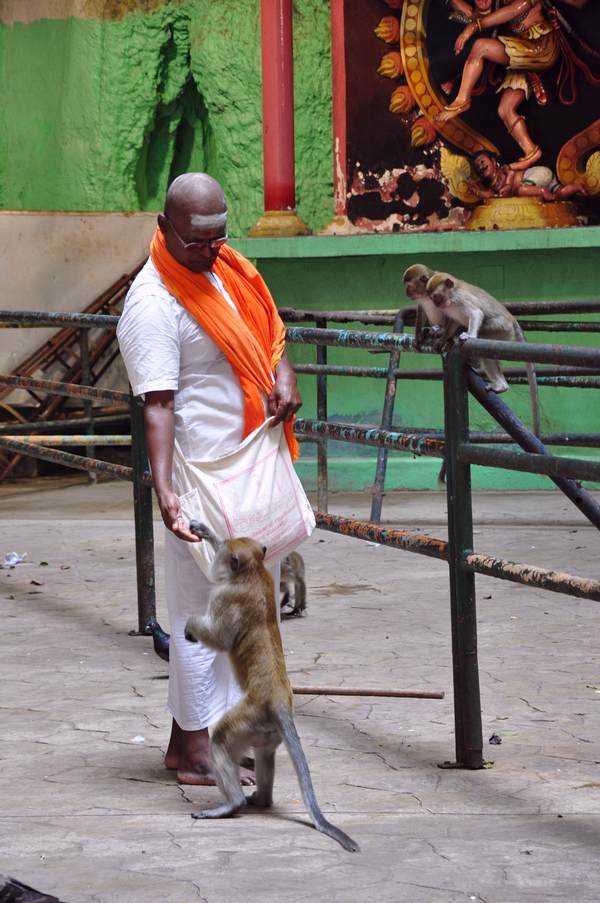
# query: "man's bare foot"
198 775
188 754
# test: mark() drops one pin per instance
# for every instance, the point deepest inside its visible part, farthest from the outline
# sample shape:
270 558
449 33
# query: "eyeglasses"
202 244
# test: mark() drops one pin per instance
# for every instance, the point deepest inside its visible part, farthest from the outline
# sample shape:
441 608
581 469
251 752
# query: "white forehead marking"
209 221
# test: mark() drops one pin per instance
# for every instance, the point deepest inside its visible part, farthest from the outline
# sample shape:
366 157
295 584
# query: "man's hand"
173 518
284 400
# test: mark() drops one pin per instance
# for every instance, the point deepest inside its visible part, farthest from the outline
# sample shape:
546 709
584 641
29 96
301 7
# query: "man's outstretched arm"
159 426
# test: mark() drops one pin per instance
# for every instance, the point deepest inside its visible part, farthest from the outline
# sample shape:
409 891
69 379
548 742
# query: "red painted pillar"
339 224
278 122
338 68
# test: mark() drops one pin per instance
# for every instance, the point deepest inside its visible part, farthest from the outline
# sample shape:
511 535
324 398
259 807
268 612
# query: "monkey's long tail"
294 747
533 387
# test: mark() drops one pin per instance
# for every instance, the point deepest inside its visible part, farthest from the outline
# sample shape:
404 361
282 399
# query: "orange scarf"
253 342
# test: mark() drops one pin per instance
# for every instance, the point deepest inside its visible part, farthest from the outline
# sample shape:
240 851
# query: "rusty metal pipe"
66 459
70 390
528 462
12 427
36 318
366 435
554 581
510 422
529 575
380 341
81 439
386 316
355 691
399 539
528 351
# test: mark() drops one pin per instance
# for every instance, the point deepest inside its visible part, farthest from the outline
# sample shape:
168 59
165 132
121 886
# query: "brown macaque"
415 279
292 583
242 621
484 317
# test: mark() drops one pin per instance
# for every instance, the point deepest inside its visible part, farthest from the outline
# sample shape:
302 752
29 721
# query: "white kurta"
163 348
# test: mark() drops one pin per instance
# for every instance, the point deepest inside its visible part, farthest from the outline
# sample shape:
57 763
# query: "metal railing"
138 474
461 452
576 377
455 444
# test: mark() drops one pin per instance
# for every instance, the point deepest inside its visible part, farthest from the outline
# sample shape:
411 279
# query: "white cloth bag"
251 491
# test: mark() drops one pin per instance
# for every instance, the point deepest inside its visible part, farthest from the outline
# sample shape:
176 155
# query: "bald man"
193 394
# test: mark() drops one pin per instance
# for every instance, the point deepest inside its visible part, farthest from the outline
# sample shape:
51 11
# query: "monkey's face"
238 557
415 288
439 299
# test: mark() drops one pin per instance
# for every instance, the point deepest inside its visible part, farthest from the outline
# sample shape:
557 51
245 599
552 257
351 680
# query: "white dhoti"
164 348
202 686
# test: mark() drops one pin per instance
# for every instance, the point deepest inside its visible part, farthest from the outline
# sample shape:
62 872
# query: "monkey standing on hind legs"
484 317
242 621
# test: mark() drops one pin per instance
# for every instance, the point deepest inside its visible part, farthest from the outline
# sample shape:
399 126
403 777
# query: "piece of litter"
65 567
139 739
36 582
495 740
11 559
43 564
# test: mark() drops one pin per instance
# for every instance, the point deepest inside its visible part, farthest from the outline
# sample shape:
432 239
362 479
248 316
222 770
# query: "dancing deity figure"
532 46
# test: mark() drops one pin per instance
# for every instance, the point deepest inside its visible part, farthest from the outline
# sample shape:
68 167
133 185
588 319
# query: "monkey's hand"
203 532
198 630
203 630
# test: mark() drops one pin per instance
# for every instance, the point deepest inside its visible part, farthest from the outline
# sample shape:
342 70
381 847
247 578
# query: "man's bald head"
195 218
195 198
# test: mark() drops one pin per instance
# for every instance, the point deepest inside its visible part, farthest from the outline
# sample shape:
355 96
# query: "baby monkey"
242 621
484 317
292 582
415 279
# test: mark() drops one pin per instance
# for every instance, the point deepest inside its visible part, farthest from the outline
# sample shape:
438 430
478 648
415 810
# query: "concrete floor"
89 813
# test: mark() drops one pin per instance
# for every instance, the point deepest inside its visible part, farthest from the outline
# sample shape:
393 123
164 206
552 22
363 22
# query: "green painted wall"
99 114
365 272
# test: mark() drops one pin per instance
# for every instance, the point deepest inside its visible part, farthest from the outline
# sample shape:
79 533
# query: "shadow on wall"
181 140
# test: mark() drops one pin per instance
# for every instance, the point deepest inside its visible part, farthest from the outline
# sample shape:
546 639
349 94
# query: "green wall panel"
371 281
101 114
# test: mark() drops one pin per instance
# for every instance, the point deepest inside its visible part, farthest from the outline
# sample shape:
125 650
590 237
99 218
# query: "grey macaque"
415 280
242 621
292 584
484 317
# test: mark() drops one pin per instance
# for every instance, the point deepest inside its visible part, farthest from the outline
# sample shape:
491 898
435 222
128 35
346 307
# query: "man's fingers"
284 412
183 533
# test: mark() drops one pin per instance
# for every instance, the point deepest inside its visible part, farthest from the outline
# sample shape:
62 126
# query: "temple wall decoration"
457 122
